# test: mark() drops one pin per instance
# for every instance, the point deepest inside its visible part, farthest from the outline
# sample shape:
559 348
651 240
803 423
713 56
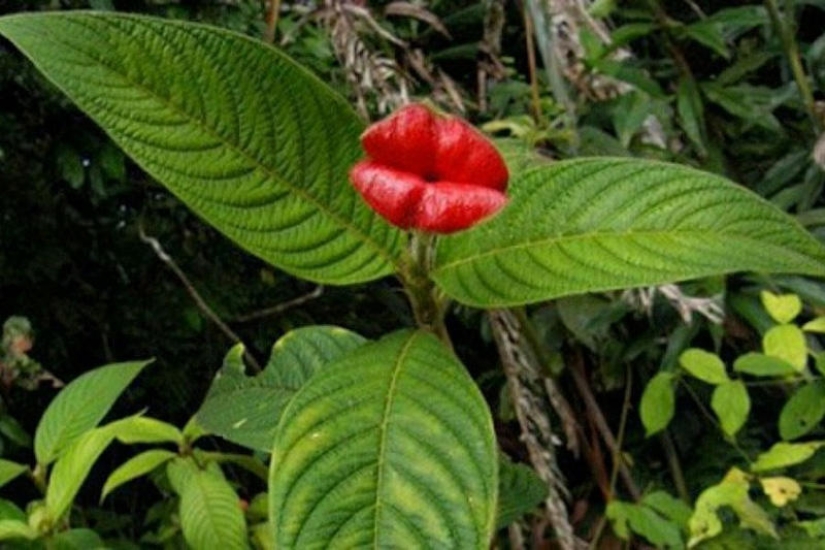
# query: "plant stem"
675 466
531 65
255 367
791 48
428 305
579 378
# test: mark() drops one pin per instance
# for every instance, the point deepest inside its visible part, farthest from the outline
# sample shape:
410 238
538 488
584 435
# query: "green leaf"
644 521
626 72
787 342
658 402
16 529
80 406
803 411
759 364
691 112
72 467
248 139
245 409
134 468
753 104
782 307
140 429
591 225
76 539
392 446
669 506
12 429
9 510
704 365
210 511
782 455
520 490
709 34
731 403
10 470
815 325
732 491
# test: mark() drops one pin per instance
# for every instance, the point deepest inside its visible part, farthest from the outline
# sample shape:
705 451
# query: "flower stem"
428 306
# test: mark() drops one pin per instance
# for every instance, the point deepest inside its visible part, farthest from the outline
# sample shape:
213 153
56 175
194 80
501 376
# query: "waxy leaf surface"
248 139
601 224
392 446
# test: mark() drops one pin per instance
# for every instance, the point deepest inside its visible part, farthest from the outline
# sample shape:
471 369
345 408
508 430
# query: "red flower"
430 172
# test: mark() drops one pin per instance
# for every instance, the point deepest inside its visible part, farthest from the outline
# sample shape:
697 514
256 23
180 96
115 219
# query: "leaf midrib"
382 446
343 222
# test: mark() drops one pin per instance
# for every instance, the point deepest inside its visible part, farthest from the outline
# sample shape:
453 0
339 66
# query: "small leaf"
590 225
669 506
391 446
803 411
141 429
819 362
704 365
782 455
733 492
815 325
780 490
521 490
645 522
782 307
9 510
246 409
16 529
134 468
76 539
708 33
787 342
759 364
814 528
12 429
210 511
10 470
658 402
691 112
731 403
80 406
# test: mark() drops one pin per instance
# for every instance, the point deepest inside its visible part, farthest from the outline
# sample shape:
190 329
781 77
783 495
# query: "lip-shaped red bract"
430 172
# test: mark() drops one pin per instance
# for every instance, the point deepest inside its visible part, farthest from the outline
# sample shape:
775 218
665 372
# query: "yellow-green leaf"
782 307
704 365
786 342
781 490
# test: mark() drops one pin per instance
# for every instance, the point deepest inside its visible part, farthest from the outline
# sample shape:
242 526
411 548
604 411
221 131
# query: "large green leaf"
248 139
210 511
80 406
602 224
392 446
246 409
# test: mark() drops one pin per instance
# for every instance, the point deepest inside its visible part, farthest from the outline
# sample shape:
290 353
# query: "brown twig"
595 413
199 301
273 8
280 308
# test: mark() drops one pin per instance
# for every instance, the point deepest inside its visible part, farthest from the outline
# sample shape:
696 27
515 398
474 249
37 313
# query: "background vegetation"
731 87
